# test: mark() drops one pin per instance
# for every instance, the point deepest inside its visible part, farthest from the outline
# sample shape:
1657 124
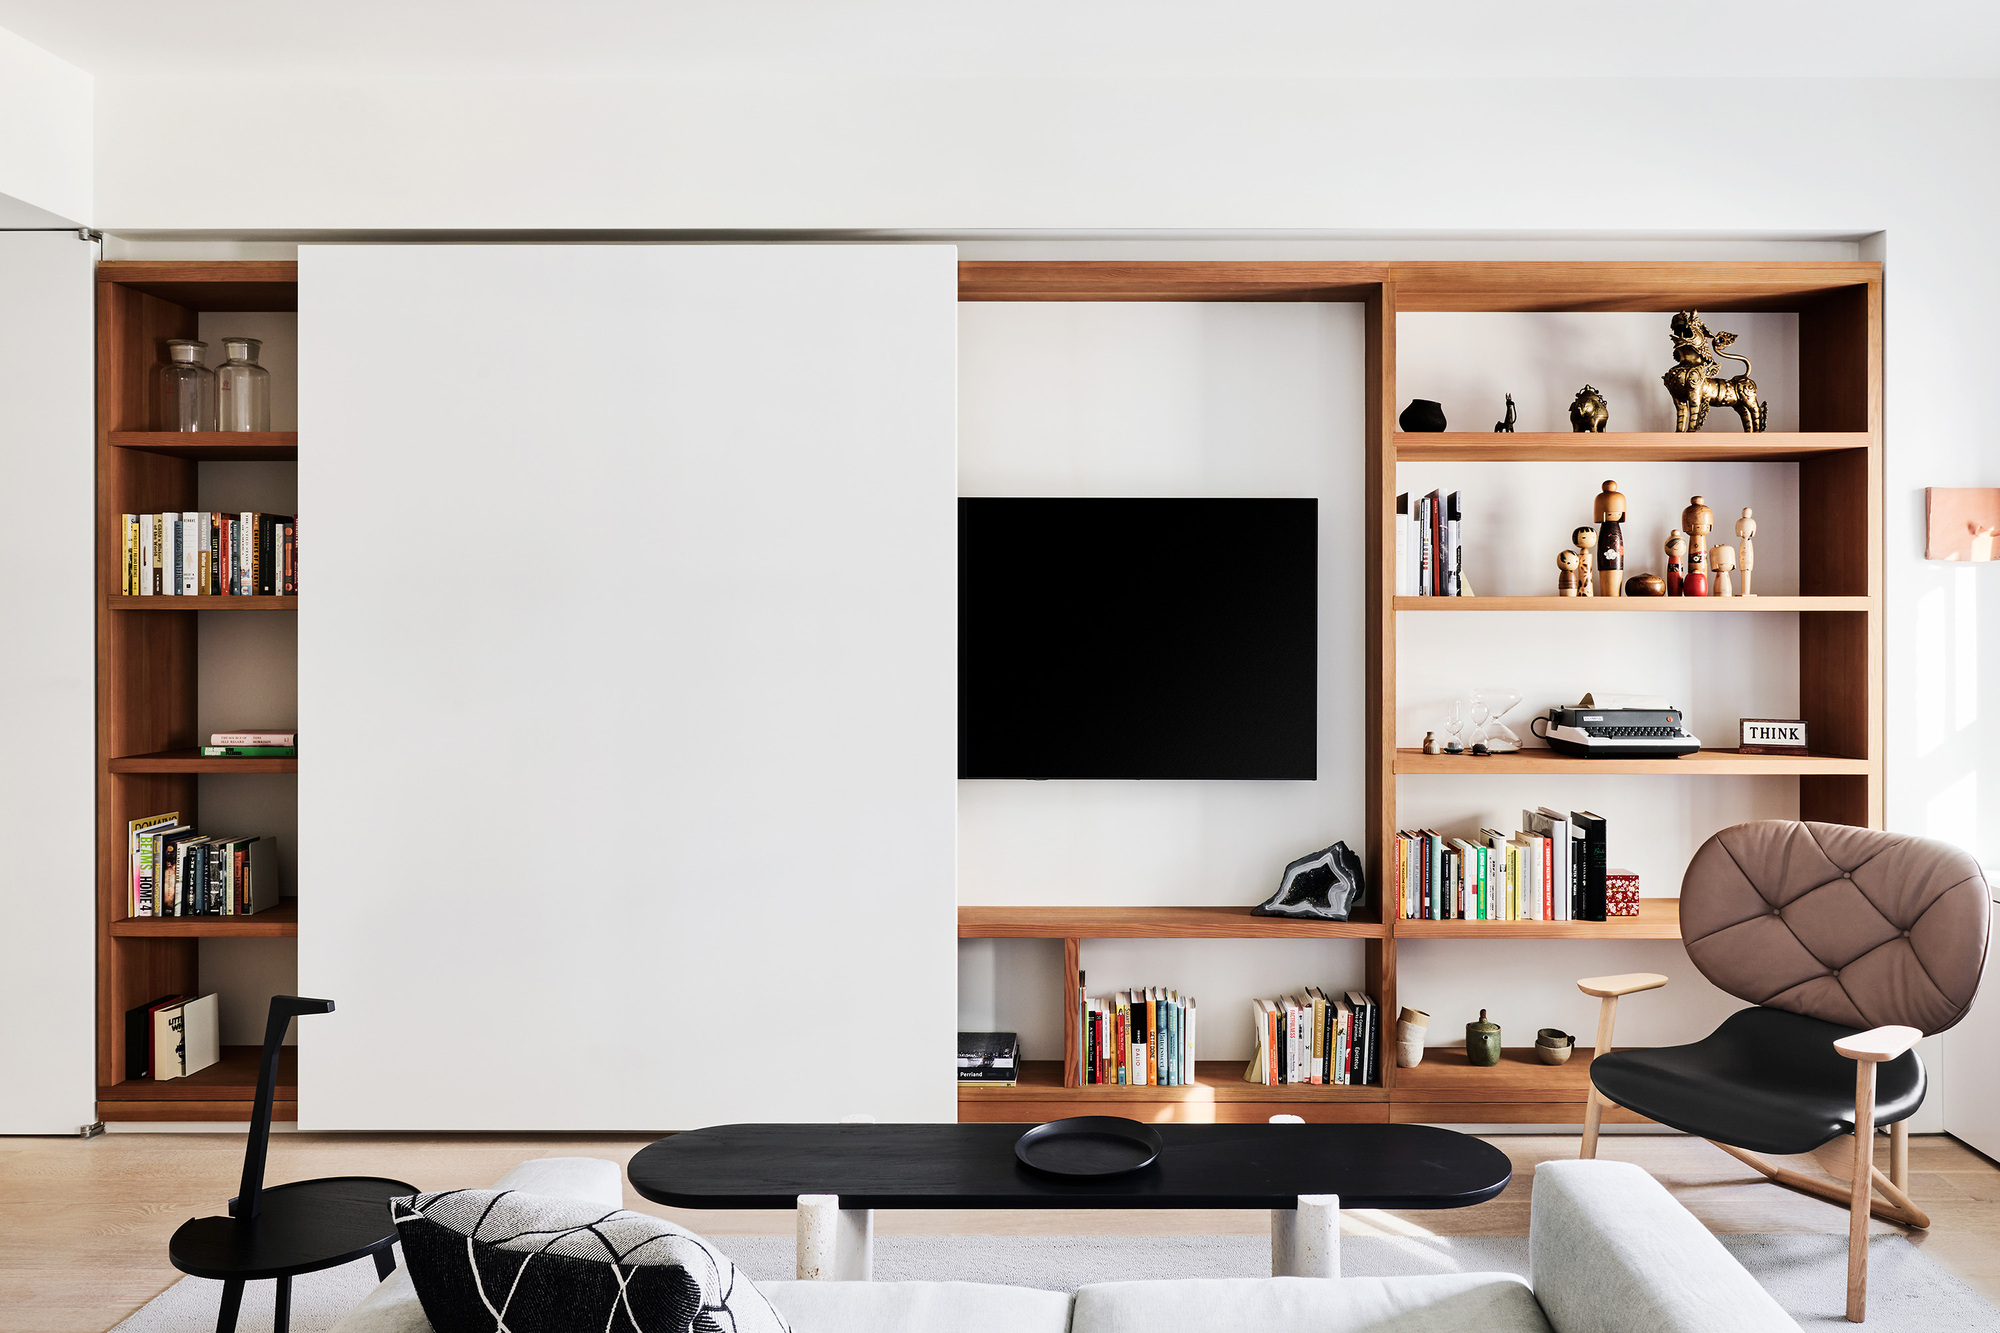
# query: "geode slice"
1325 886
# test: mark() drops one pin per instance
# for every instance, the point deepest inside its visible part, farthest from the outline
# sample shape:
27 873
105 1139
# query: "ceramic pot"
1482 1042
1411 1028
1422 415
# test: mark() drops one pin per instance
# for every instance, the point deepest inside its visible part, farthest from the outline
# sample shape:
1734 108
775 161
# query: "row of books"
1553 869
215 555
175 871
1430 555
1313 1037
1142 1037
173 1036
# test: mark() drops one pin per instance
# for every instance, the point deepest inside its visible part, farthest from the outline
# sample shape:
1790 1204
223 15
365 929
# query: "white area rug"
1907 1293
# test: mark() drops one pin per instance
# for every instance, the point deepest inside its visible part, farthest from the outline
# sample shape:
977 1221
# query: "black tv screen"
1125 638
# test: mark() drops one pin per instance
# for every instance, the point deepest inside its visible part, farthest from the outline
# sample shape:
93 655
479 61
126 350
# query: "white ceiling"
1455 38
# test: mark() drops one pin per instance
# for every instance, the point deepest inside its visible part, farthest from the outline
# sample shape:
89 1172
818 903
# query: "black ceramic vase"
1422 415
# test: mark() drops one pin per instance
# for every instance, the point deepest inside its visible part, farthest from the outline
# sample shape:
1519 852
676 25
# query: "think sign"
1766 735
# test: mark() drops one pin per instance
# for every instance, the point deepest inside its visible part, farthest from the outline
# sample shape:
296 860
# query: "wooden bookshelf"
192 760
1719 763
1837 453
204 602
280 922
147 669
1641 605
213 446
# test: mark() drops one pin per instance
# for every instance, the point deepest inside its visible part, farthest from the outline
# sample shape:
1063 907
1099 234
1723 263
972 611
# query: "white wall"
47 687
45 149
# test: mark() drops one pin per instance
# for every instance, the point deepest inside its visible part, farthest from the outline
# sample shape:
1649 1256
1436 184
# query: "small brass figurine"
1696 382
1677 549
1698 519
1506 427
1588 413
1585 538
1610 516
1746 552
1722 559
1568 565
1645 585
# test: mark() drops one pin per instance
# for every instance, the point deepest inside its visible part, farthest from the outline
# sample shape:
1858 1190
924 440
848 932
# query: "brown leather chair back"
1850 925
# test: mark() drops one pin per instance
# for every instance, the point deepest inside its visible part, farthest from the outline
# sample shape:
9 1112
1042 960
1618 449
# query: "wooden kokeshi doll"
1610 516
1723 558
1698 519
1586 545
1567 578
1746 550
1677 550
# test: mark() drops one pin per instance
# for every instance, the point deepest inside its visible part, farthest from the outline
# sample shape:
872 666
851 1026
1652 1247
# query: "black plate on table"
1088 1147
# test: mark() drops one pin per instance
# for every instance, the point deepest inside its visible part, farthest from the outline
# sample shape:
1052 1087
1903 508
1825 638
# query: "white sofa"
1610 1250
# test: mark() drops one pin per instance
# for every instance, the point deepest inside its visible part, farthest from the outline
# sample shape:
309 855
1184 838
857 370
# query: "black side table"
286 1230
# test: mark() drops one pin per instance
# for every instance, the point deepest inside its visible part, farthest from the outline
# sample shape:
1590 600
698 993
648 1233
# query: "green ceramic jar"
1482 1042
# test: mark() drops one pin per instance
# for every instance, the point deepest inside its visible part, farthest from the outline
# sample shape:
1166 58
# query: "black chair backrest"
284 1008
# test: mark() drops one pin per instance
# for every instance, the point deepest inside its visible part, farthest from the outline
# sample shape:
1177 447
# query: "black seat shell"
1767 1080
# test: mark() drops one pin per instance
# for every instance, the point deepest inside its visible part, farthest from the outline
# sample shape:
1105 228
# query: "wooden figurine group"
1595 566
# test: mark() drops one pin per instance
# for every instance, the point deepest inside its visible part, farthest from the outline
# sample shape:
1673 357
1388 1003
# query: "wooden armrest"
1876 1044
1605 988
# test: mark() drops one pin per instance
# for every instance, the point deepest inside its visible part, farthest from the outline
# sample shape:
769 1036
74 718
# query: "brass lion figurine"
1696 382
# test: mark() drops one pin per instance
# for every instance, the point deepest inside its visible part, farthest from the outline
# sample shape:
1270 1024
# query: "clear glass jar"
184 389
243 387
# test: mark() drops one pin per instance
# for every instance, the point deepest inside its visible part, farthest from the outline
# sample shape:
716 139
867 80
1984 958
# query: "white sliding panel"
48 800
627 678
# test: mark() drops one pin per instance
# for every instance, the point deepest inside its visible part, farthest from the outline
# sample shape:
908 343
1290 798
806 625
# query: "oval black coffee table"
1303 1173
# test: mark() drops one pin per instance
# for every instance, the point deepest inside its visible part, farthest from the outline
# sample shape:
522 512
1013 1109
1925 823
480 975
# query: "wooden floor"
84 1224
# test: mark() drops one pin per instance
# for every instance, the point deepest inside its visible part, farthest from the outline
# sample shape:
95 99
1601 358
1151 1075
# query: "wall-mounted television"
1138 638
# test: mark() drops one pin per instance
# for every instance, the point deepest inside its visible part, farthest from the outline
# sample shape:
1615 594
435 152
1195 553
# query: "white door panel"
627 677
47 707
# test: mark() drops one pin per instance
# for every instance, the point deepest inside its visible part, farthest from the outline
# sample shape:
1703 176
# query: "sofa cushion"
533 1263
1437 1303
918 1307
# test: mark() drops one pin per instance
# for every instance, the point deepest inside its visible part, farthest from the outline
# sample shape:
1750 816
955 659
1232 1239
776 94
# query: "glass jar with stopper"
184 388
243 388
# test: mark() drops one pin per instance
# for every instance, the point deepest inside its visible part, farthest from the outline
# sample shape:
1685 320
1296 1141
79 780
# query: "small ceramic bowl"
1553 1045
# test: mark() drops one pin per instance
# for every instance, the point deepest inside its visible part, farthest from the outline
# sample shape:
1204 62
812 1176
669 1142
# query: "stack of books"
195 554
172 1037
252 745
175 871
989 1059
1314 1037
1554 869
1142 1037
1430 555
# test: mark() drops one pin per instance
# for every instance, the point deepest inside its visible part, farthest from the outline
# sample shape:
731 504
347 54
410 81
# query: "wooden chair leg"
1593 1107
1862 1184
232 1301
1899 1155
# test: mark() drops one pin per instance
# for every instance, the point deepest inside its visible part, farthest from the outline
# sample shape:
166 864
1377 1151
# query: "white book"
1454 554
1425 555
147 533
1405 579
1187 1041
201 1034
205 567
244 522
1561 843
187 553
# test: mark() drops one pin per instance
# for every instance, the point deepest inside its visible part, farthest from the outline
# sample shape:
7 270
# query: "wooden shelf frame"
1838 455
147 671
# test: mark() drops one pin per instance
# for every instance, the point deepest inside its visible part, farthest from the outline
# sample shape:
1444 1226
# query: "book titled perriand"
991 1059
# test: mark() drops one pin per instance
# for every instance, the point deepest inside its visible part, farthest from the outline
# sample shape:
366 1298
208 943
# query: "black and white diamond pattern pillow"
500 1261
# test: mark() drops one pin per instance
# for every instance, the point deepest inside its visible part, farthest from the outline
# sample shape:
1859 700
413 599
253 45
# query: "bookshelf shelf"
1626 447
1446 1089
210 446
194 761
1159 923
1633 604
1218 1094
1721 762
223 1091
1658 919
121 602
149 674
280 922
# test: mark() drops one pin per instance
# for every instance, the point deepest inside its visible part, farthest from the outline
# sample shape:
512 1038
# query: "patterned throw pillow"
488 1260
